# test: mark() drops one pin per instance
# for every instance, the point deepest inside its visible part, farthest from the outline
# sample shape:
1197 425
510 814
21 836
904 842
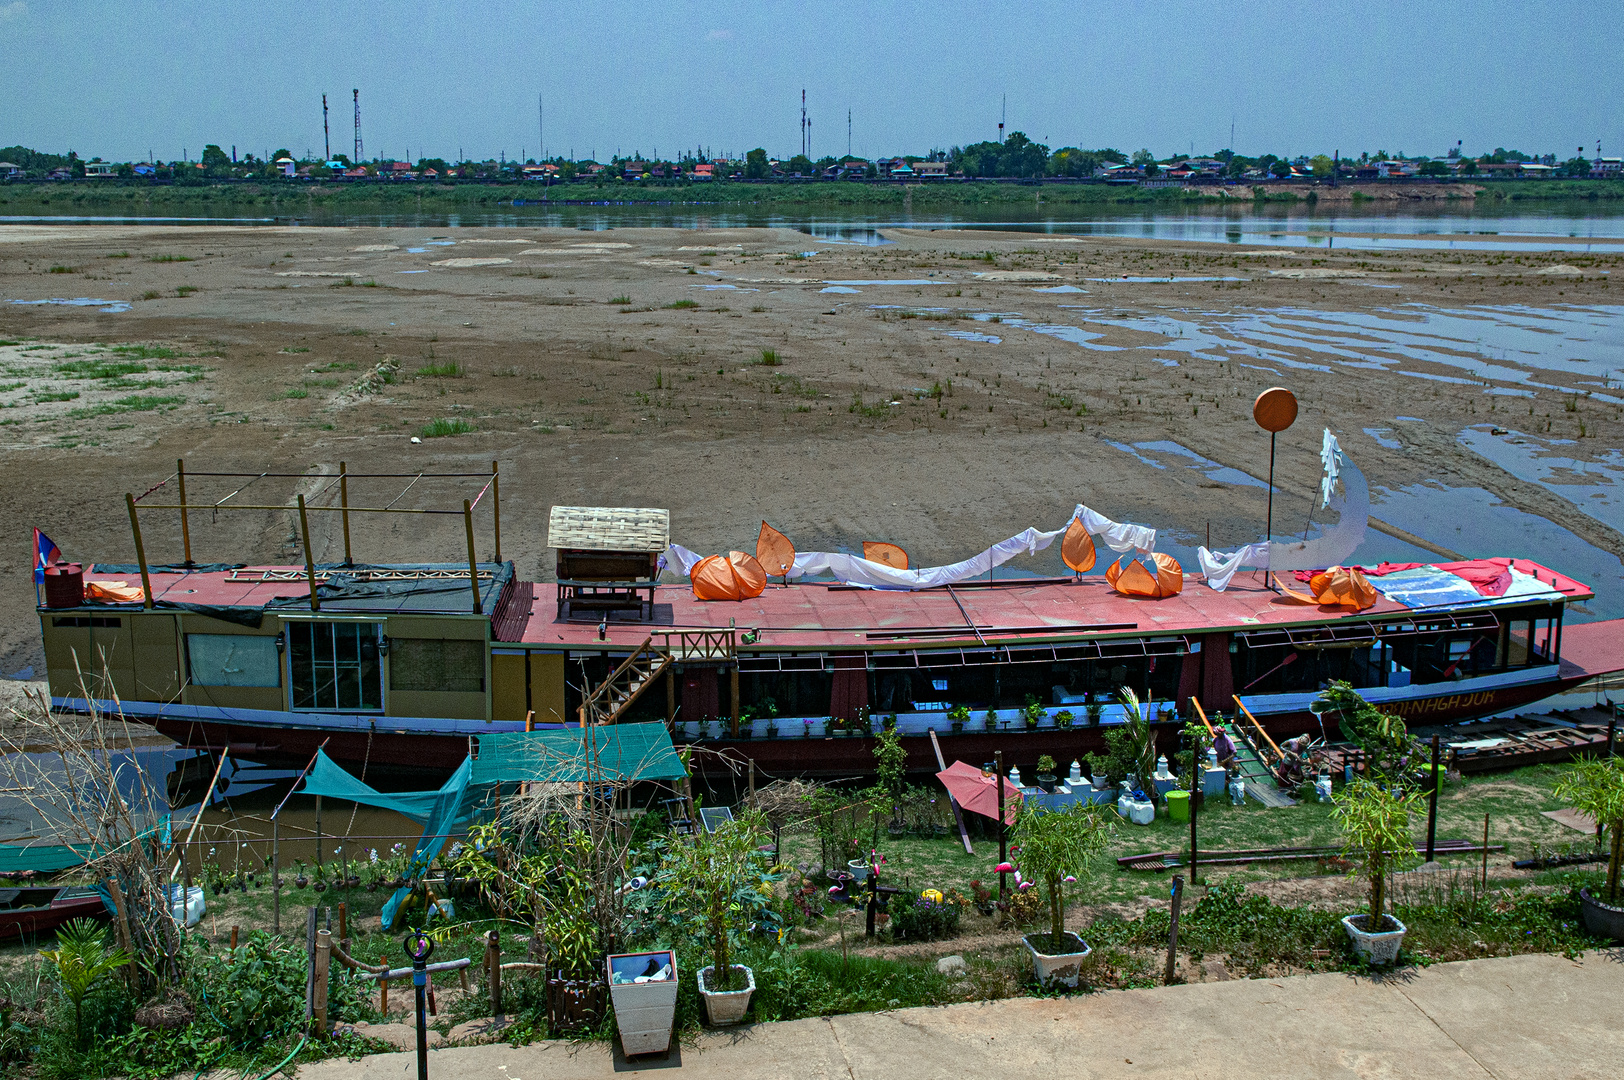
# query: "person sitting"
1224 746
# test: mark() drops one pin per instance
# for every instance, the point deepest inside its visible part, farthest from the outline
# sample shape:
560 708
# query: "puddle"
1061 289
440 243
411 271
1596 488
1161 280
1211 469
109 307
1477 524
712 287
1380 435
971 335
840 289
841 234
897 281
1410 419
416 251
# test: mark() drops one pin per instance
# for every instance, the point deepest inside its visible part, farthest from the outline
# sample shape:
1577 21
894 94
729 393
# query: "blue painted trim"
1273 704
273 719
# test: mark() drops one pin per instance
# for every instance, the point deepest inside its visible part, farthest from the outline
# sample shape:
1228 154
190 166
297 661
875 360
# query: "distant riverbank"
315 200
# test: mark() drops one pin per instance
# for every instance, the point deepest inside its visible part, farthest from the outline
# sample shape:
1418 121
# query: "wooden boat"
402 667
34 910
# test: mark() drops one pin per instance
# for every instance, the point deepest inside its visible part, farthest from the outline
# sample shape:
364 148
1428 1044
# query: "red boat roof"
808 616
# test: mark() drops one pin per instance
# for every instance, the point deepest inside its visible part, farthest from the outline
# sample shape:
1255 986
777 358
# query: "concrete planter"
1063 968
727 1006
1375 948
645 1002
1602 919
859 870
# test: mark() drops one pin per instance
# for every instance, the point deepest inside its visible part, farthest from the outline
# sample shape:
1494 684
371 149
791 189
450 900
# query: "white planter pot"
643 1010
1138 811
859 871
1063 968
728 1006
1377 948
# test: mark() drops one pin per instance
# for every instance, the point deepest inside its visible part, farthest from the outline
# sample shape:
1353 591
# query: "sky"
122 79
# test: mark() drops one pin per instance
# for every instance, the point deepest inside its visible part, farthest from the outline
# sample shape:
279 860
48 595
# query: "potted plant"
1375 823
1064 719
772 727
643 988
1046 777
707 881
991 719
1595 786
1056 848
957 717
300 880
1033 712
1095 710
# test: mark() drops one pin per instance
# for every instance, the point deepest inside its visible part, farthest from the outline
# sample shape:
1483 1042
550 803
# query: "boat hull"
43 918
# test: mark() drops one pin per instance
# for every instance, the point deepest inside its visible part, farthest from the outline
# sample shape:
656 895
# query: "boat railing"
687 645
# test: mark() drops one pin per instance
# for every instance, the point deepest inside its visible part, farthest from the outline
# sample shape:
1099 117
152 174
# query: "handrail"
1199 711
708 644
590 705
1241 705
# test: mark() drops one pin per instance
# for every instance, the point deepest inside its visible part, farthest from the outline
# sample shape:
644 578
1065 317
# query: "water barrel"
64 585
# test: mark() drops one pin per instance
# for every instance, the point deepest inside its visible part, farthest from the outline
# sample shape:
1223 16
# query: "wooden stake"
185 527
1173 928
276 881
310 563
233 938
344 506
344 926
493 965
473 560
140 552
496 508
1485 851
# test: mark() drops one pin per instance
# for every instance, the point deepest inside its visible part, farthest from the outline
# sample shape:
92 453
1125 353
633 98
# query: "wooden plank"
958 815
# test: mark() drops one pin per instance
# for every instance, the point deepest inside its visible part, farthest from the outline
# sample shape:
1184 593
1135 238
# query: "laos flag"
45 553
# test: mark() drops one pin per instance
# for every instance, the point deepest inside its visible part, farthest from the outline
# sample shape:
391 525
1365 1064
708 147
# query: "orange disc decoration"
1275 409
1077 547
774 551
1129 577
735 576
886 554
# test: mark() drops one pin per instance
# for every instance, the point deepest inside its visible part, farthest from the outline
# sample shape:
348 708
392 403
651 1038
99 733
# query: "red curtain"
850 690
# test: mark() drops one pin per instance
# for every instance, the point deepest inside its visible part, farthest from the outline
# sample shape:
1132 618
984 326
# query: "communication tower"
356 160
326 136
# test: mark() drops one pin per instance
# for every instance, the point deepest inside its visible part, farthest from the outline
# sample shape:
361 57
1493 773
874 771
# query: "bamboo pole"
496 508
185 526
473 561
140 552
1241 705
344 505
276 881
310 564
324 950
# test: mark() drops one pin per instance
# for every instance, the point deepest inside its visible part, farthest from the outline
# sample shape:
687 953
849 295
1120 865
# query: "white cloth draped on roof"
1219 567
856 570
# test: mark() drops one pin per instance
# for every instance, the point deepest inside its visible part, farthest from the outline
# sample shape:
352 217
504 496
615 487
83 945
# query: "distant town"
1015 159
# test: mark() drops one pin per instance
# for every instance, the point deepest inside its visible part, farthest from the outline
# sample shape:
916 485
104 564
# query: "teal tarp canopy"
331 780
607 754
49 858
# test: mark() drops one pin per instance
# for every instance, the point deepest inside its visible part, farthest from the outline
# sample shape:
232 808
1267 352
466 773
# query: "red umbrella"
979 793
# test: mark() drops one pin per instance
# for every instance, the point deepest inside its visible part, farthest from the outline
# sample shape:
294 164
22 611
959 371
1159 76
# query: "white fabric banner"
856 570
1220 567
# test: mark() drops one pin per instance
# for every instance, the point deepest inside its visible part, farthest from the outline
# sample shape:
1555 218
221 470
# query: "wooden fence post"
324 950
493 968
1173 929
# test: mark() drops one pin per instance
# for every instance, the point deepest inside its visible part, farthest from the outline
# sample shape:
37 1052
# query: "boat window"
232 660
335 665
445 664
81 621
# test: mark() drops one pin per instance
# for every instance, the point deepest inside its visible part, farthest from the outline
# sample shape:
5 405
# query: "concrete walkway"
1525 1017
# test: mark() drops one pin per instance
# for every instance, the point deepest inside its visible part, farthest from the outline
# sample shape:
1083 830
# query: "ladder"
1254 751
612 697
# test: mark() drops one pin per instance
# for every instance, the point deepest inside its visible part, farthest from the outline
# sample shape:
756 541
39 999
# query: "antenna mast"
356 160
1003 114
326 136
848 133
806 136
541 127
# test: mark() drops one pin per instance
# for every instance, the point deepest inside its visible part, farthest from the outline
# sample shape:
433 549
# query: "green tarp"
614 753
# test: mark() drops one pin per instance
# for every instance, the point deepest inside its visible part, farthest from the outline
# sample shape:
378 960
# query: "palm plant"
1375 823
1140 740
1595 786
1057 848
82 958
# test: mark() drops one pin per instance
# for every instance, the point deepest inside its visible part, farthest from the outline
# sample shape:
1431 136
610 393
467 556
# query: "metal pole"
276 881
1003 836
1485 851
185 528
1269 529
473 562
496 509
1197 771
318 834
344 506
310 565
140 552
1173 928
1432 804
420 982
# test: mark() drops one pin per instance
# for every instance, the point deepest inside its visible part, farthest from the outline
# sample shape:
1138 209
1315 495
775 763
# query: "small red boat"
40 909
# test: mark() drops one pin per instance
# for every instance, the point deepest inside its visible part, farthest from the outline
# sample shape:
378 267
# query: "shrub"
768 358
1595 786
448 370
682 305
442 427
923 920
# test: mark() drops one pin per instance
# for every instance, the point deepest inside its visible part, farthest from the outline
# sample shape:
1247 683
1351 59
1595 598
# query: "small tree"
82 958
1388 748
1137 742
1595 786
1057 847
1375 825
713 880
891 766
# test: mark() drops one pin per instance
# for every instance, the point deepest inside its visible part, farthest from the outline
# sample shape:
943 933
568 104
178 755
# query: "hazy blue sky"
120 77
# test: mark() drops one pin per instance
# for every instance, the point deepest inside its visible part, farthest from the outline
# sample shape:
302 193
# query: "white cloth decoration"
1333 547
856 570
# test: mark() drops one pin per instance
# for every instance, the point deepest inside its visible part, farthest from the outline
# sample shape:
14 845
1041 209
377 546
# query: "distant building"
8 171
286 166
142 168
1608 167
925 170
100 168
703 171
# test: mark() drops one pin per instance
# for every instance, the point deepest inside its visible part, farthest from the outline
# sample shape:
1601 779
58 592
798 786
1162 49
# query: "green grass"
146 352
98 368
56 395
64 270
169 258
119 255
185 290
620 300
448 369
133 403
6 388
294 349
443 426
682 305
296 392
768 358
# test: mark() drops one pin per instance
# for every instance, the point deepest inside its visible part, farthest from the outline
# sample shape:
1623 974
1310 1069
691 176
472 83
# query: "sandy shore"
625 367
